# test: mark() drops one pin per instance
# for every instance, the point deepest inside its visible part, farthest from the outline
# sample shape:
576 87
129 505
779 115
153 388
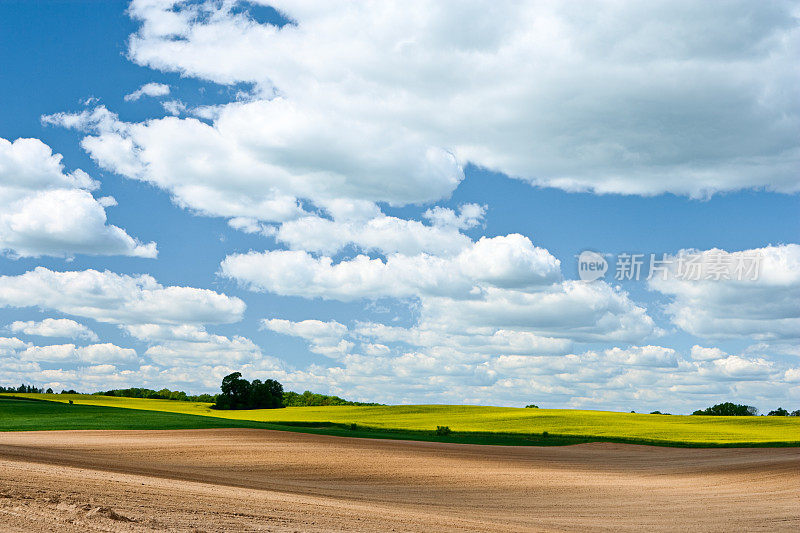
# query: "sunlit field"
666 429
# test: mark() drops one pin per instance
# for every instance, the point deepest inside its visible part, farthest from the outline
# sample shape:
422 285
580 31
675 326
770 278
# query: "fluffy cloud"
510 261
19 356
378 232
52 327
45 211
169 320
670 97
148 89
699 353
648 377
470 340
117 298
340 111
326 338
29 164
10 345
574 310
170 346
192 345
740 368
654 356
312 330
502 291
94 353
297 273
174 107
468 216
707 304
204 348
245 171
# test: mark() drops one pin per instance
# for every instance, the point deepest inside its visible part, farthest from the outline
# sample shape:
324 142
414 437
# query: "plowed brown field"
259 480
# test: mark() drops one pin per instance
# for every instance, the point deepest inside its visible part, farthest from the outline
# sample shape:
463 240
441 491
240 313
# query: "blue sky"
650 149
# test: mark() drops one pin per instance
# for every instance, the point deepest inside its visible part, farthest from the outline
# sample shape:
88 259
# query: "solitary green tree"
238 393
235 392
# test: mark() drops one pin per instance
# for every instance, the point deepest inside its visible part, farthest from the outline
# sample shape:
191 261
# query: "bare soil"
260 480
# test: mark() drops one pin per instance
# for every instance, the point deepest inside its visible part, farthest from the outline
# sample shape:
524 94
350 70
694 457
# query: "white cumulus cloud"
45 211
680 97
148 89
93 353
510 261
501 283
764 304
53 327
388 102
326 338
117 298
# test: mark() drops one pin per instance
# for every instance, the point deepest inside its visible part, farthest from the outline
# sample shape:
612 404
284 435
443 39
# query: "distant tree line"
163 394
22 388
728 409
311 399
242 395
238 393
780 411
735 409
28 389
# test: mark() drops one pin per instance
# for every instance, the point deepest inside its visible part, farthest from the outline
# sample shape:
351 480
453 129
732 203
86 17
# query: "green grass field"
29 415
498 425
